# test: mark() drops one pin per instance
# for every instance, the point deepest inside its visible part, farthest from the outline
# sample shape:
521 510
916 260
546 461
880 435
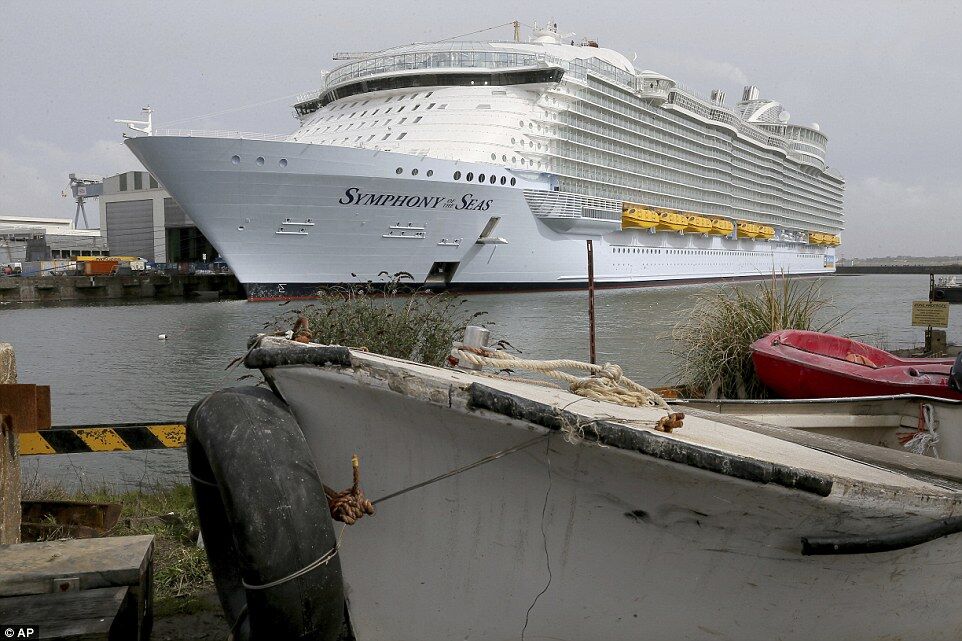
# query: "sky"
882 79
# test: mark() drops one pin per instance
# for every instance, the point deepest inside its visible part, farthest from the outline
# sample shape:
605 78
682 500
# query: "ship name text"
354 196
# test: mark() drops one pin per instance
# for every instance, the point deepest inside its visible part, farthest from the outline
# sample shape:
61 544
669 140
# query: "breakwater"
899 269
58 288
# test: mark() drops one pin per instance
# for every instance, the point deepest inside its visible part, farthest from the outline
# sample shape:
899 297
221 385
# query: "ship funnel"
717 97
750 93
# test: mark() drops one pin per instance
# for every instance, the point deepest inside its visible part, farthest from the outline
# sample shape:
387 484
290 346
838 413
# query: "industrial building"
26 239
139 218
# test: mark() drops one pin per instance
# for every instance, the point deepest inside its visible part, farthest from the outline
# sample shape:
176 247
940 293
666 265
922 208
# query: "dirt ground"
202 618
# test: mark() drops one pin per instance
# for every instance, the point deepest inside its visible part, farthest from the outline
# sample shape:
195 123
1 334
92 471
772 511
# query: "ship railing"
221 133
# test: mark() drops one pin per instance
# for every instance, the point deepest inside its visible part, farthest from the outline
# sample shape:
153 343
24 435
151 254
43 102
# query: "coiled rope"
604 383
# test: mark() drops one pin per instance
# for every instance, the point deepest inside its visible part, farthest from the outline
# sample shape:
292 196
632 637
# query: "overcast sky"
882 79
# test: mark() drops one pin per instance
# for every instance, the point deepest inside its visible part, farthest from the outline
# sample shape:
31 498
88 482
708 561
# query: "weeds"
713 340
180 567
390 319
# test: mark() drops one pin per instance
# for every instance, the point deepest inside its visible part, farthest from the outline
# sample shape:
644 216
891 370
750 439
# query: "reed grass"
388 318
712 340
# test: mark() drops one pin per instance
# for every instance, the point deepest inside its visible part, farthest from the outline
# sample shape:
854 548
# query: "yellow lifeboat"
747 230
670 221
722 226
817 238
698 225
766 232
835 241
639 218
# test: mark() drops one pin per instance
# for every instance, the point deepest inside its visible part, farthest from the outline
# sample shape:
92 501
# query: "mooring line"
470 466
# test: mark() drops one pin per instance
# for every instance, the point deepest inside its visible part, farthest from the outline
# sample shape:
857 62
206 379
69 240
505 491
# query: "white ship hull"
289 217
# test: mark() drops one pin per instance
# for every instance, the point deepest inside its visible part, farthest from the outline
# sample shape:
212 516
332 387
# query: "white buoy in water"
161 337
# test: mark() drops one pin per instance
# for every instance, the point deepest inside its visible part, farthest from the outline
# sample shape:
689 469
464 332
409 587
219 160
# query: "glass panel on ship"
584 119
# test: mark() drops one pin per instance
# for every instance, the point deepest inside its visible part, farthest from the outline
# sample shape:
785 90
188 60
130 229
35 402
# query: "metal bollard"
474 336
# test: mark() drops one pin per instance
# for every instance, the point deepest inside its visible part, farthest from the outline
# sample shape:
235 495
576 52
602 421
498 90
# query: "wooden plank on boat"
947 474
104 614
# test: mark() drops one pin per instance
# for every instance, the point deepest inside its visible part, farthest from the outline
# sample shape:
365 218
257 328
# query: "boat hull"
798 364
577 541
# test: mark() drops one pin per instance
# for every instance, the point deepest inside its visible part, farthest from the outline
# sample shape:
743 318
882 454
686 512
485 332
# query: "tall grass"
713 340
391 319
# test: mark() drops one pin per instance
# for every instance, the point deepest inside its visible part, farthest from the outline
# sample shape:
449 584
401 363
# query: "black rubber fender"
263 515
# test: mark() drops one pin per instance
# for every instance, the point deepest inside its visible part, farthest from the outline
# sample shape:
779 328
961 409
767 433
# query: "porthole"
513 181
469 177
430 172
457 175
493 179
260 161
399 171
235 160
414 172
494 156
282 162
480 178
504 158
240 228
503 180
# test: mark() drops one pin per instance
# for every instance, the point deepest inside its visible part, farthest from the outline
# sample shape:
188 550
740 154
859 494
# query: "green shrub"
390 319
712 341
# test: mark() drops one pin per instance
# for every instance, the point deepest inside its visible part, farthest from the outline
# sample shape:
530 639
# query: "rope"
604 383
323 560
924 438
470 466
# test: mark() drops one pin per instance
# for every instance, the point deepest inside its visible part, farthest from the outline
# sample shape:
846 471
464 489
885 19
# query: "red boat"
800 364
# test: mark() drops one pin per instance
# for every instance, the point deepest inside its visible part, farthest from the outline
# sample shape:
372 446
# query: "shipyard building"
139 218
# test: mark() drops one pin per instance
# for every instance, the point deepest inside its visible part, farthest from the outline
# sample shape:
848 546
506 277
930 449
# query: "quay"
147 285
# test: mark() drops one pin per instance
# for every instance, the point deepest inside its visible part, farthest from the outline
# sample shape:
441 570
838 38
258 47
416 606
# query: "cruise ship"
489 164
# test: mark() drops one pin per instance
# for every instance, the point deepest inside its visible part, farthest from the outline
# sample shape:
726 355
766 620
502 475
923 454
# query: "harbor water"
105 364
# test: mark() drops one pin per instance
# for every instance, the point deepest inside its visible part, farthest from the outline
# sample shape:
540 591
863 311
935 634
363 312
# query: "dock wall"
898 269
55 288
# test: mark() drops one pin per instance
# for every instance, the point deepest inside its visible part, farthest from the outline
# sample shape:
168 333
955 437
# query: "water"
104 362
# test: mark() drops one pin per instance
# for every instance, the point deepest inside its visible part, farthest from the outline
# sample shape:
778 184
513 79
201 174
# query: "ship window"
388 110
493 179
260 161
153 183
398 171
402 135
414 172
415 107
469 177
443 106
483 106
418 119
123 177
503 180
429 94
401 121
430 172
480 178
400 109
504 158
386 136
139 180
431 106
457 175
513 181
494 156
370 138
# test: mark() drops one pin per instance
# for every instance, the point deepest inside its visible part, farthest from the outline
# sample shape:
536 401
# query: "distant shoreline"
899 269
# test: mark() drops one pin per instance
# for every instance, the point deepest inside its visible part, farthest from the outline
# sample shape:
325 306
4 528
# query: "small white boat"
748 523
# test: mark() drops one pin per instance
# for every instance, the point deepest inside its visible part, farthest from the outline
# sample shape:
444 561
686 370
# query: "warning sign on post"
930 314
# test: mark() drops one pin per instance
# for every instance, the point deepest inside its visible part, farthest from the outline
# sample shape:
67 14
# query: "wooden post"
592 357
9 458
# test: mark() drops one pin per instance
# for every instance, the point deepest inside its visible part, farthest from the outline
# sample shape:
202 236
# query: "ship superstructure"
487 164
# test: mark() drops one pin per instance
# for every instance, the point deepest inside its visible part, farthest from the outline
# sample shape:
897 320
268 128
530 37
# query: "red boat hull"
801 364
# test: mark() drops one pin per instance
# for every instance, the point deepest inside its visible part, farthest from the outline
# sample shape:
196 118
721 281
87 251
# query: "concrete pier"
55 288
9 459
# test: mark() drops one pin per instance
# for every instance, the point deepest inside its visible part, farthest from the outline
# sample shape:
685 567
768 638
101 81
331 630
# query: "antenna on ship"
517 30
143 126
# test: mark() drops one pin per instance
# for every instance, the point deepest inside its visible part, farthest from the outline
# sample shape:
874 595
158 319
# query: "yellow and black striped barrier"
76 439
